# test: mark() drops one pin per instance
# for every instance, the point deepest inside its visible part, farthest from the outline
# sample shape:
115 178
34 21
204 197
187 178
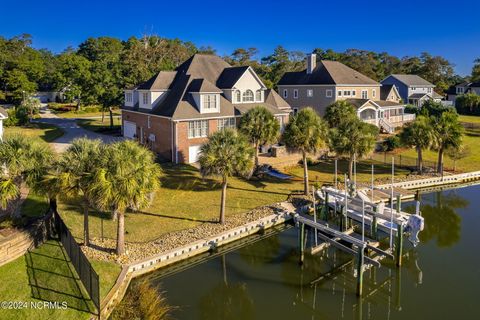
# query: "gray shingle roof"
230 76
202 85
417 95
357 103
385 90
327 72
199 74
160 81
412 80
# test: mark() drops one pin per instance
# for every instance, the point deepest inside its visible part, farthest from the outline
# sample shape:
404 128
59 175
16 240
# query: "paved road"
71 129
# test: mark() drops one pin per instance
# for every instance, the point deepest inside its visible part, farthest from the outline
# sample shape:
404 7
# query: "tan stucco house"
324 82
3 116
174 112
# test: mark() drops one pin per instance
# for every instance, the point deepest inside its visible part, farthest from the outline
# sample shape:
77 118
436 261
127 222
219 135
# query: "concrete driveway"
71 129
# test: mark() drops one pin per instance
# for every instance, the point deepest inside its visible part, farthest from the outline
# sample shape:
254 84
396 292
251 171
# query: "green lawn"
469 119
185 200
97 125
323 172
85 114
45 274
34 206
43 131
470 163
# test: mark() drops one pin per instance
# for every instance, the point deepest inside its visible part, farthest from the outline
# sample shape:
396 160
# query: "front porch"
386 117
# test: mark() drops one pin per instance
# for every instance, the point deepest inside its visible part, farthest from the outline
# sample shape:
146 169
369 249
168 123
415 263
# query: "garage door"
129 129
193 154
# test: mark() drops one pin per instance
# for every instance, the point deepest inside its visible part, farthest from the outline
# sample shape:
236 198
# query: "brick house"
175 111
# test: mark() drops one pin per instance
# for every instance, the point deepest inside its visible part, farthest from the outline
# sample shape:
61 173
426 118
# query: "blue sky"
406 27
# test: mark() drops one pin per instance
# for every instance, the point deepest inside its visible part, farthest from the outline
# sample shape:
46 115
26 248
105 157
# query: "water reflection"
442 223
226 300
261 254
263 280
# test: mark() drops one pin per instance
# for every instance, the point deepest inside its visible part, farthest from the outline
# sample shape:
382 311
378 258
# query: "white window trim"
226 123
295 93
374 93
258 95
285 93
145 96
237 96
198 130
310 93
244 96
329 93
149 122
366 94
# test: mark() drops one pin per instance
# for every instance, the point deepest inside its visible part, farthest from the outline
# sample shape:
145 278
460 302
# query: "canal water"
439 279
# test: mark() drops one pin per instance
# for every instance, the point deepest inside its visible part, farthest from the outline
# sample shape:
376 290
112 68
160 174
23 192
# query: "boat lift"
352 206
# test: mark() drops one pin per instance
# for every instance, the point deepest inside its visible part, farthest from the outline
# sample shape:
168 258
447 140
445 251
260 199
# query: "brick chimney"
311 62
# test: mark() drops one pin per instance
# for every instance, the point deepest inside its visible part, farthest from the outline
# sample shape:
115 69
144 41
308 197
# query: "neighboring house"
49 96
175 111
462 88
3 116
325 82
412 88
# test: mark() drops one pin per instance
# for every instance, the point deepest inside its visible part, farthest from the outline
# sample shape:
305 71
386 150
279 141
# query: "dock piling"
399 245
360 271
301 242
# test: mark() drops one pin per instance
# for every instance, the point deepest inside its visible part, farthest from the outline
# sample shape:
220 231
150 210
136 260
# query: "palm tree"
126 179
25 161
448 133
339 111
226 153
75 169
305 132
353 138
260 126
418 134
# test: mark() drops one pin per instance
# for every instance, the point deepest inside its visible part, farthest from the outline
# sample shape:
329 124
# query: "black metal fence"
87 274
406 161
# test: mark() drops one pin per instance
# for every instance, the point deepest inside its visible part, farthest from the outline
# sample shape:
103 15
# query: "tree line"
97 71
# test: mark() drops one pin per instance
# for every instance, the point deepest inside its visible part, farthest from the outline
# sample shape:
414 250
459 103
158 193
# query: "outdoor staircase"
386 126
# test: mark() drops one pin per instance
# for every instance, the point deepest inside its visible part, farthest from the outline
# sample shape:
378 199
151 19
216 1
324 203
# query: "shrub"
16 117
310 162
468 104
62 107
143 301
391 143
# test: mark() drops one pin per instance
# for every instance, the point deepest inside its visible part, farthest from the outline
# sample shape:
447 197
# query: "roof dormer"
206 95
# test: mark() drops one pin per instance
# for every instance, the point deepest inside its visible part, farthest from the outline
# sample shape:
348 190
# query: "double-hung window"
364 94
374 93
295 93
285 93
258 95
197 129
226 123
309 93
145 98
129 97
209 102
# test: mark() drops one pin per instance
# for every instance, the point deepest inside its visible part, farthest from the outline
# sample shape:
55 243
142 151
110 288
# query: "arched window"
258 95
238 96
248 96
